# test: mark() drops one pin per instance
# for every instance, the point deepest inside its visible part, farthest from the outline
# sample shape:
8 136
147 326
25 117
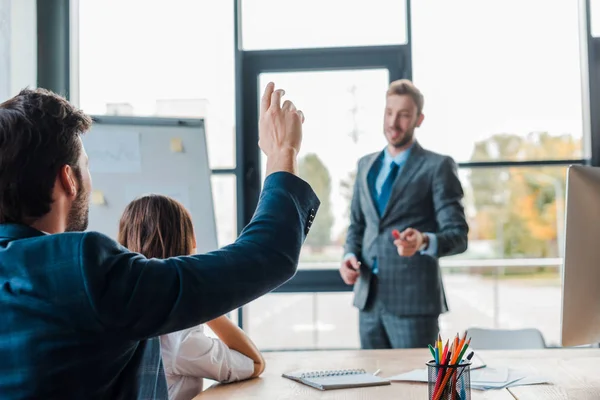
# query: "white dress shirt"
189 356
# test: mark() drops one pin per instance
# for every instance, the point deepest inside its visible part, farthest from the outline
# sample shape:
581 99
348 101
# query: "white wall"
23 44
18 48
4 48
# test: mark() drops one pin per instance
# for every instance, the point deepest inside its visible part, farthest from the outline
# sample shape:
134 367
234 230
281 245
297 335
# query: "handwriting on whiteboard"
113 152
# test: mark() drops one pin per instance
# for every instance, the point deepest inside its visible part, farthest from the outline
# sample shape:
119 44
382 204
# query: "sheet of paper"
98 197
179 193
477 362
176 145
490 375
515 378
527 377
113 151
498 378
416 375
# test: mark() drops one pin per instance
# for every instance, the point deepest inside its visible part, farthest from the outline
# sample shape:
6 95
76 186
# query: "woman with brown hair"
160 227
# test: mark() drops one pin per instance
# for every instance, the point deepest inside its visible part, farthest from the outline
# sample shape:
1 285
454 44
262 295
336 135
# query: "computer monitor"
581 271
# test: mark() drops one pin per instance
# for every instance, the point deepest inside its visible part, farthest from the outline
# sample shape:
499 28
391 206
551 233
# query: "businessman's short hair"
403 87
39 134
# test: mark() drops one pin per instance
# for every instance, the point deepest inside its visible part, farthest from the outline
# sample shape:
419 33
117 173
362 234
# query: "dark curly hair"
39 134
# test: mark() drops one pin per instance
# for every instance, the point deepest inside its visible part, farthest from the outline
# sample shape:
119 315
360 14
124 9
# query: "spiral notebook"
337 379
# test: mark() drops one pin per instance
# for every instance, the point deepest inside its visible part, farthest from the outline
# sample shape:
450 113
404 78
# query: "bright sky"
484 66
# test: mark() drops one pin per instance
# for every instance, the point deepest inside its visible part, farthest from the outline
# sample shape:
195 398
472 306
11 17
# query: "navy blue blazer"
76 308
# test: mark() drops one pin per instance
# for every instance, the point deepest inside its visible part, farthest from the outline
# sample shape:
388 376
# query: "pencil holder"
452 382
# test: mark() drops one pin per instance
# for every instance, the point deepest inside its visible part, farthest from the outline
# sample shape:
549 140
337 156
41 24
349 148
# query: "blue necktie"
384 197
386 189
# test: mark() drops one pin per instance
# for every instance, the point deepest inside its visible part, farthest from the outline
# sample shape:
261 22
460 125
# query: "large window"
5 36
225 205
501 78
159 58
493 95
502 84
503 87
303 320
285 24
515 212
342 125
511 295
516 217
509 277
595 17
517 296
166 59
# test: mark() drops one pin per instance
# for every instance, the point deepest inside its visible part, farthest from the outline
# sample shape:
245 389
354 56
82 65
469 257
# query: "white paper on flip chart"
181 193
113 152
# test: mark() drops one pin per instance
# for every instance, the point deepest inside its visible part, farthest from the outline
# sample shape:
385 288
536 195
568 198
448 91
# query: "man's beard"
78 218
405 140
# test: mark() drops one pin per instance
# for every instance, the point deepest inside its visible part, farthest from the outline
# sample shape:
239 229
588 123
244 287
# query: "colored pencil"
433 354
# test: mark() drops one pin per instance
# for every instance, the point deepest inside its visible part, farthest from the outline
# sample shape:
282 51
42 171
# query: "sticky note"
98 197
176 145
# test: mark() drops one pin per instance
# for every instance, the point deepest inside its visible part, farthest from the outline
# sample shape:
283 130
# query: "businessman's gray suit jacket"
427 195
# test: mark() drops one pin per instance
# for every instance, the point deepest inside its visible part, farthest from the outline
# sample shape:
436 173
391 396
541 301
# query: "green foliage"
312 170
517 207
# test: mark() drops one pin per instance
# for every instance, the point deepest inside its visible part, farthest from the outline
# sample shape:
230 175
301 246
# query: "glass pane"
510 86
502 297
595 17
302 321
285 24
5 47
514 212
509 278
482 296
510 275
470 299
341 125
166 59
225 204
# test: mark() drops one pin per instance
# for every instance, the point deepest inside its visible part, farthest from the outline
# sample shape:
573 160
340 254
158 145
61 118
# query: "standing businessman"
397 282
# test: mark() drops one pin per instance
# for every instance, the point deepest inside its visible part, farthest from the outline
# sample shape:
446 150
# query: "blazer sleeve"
450 214
356 229
138 298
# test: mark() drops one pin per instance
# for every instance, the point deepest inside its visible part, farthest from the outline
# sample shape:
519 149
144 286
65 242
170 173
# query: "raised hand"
280 131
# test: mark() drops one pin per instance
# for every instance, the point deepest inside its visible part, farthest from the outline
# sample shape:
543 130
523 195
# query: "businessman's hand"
350 270
280 131
410 242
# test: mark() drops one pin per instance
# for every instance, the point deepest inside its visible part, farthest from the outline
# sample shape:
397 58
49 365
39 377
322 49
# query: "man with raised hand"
76 309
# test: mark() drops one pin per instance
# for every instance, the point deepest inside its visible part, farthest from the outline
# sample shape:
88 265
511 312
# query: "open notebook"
338 379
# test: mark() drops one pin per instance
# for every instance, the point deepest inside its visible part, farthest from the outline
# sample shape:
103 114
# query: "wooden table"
574 373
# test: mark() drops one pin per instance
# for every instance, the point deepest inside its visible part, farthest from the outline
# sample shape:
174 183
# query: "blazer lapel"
365 182
412 165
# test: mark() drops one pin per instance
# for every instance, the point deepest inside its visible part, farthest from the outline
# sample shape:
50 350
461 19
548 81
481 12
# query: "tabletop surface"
573 373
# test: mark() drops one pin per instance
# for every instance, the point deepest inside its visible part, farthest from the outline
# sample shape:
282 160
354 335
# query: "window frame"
249 64
398 60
